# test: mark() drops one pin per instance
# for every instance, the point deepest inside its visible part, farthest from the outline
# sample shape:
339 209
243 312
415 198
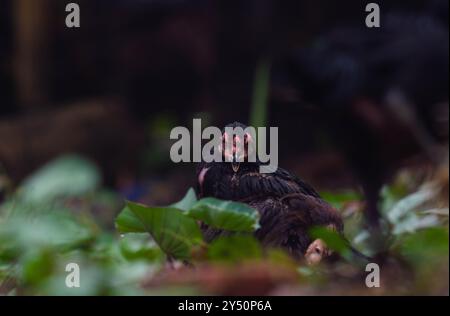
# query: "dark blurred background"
114 88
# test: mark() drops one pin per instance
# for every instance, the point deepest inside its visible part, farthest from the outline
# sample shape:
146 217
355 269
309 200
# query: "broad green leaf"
37 266
187 202
228 215
234 248
424 247
174 232
127 222
66 176
135 246
58 230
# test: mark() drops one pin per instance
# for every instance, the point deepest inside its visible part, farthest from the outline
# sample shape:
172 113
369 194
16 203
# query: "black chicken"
288 206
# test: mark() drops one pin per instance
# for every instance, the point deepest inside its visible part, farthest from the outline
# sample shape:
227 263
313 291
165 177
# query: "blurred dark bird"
381 92
288 206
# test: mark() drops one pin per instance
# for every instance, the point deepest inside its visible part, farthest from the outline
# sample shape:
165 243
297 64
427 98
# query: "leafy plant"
225 215
174 228
49 222
68 175
234 248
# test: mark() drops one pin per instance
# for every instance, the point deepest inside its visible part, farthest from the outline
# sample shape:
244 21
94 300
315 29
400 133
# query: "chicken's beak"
235 165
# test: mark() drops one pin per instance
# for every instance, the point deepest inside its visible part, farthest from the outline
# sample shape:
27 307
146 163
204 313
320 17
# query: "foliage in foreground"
61 214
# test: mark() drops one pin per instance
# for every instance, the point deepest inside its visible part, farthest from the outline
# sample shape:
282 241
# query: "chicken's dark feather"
220 181
285 222
288 206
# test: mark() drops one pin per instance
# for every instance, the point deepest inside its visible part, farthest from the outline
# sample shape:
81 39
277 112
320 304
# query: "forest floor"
63 214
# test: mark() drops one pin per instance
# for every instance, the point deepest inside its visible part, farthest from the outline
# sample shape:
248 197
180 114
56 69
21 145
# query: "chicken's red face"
235 148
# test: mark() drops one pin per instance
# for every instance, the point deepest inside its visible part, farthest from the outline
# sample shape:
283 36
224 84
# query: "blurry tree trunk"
31 20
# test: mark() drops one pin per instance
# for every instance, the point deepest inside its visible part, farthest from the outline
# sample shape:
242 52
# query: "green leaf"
406 213
37 266
58 230
228 215
234 248
187 202
127 222
425 247
135 246
174 232
409 203
66 176
391 195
